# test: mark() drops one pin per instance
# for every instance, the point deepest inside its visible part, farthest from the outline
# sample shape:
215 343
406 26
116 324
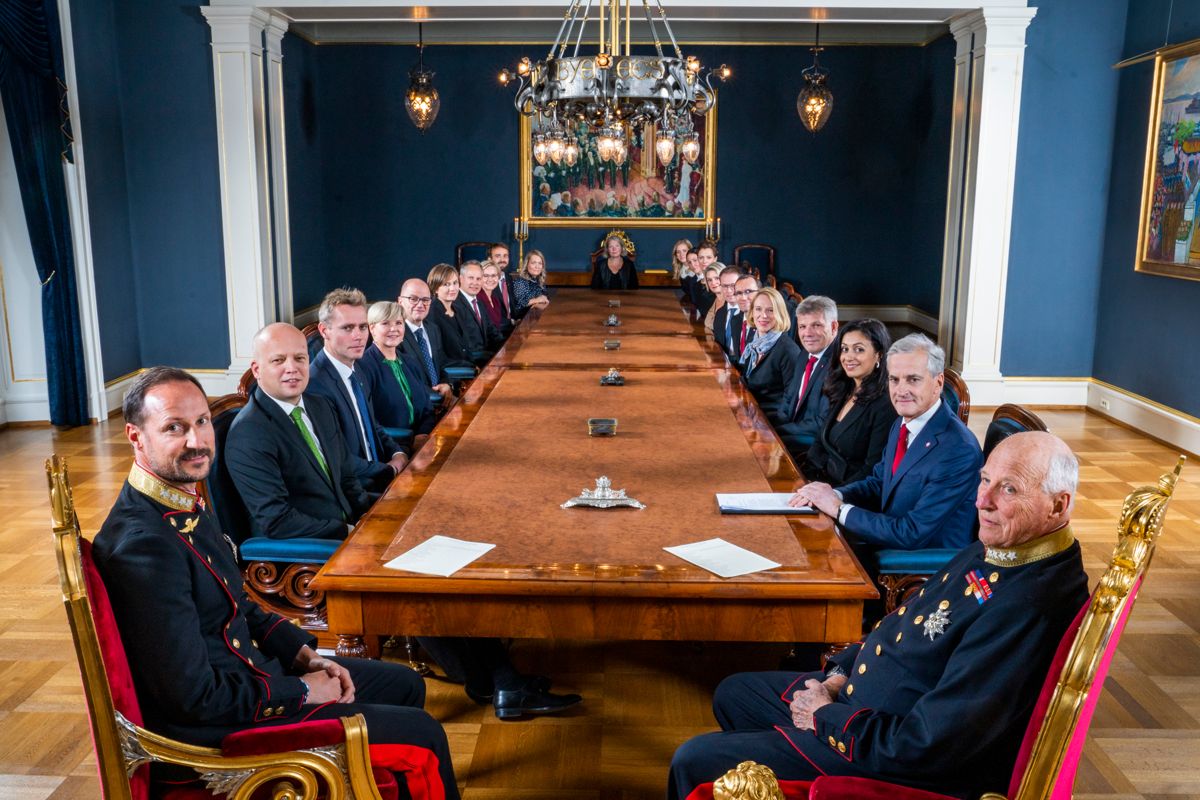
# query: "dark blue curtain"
35 108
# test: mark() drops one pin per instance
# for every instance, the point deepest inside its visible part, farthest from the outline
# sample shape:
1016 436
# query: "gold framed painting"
1169 227
640 193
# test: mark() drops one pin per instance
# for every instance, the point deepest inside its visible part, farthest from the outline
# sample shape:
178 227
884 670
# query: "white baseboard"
26 401
910 315
1167 424
1046 391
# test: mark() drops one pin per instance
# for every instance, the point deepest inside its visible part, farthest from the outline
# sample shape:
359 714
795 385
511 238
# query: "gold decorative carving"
748 781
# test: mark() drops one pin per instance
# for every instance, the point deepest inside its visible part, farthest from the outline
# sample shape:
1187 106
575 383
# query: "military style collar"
1035 550
160 491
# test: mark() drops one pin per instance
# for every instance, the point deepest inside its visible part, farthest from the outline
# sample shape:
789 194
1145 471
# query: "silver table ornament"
603 496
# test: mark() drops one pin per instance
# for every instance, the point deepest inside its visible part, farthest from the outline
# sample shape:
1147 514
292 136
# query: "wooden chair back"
1007 420
956 394
758 256
471 251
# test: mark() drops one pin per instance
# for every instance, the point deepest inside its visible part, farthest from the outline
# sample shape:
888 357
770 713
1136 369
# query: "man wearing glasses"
743 293
423 342
727 322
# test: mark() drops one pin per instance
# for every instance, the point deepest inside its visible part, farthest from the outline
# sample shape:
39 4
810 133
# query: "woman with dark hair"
443 282
853 438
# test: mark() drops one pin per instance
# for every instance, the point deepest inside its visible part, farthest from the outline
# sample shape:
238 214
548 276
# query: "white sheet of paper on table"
439 555
760 503
722 558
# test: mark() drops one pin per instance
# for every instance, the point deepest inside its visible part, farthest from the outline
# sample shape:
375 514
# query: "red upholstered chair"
1054 739
329 756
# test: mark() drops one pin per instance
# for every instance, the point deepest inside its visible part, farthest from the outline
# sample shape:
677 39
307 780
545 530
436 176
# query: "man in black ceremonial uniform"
206 661
938 696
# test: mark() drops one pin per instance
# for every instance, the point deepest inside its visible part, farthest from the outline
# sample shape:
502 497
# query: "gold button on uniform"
253 643
901 610
995 576
920 618
267 712
236 643
832 742
279 710
946 577
841 747
209 559
899 636
967 591
850 689
862 668
921 593
944 605
878 649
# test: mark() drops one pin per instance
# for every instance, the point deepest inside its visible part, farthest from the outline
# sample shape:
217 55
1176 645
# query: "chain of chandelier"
613 91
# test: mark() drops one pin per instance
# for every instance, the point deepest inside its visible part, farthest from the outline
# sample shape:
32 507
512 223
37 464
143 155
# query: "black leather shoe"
513 703
539 683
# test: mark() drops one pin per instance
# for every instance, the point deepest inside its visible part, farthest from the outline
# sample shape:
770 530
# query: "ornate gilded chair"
329 757
1054 739
626 242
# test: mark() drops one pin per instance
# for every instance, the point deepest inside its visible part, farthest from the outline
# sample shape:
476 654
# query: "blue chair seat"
434 399
399 434
914 562
460 373
290 551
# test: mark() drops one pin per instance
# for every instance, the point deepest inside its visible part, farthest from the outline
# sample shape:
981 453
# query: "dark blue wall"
146 94
1147 325
1068 102
373 201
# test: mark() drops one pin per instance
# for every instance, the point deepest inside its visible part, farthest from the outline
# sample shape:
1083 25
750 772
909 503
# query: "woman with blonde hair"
770 358
679 259
395 383
529 285
614 269
491 299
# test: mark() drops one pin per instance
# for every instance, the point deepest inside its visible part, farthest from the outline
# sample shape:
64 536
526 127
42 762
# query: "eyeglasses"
745 292
417 301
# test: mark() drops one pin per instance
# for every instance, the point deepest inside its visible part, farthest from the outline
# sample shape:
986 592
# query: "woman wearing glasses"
769 359
395 384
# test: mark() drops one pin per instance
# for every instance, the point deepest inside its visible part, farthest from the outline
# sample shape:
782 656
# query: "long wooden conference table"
516 446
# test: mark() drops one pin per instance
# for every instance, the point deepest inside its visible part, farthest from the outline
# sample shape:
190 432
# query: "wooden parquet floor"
641 699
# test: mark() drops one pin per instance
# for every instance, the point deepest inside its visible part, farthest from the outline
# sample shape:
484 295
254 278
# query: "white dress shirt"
289 407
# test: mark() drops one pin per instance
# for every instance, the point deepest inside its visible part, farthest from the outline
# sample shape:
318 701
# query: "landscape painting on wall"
1169 233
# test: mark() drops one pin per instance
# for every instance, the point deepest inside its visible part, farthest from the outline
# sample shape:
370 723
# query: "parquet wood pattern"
642 698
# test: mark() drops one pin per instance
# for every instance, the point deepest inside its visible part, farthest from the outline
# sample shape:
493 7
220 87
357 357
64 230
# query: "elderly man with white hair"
919 494
938 696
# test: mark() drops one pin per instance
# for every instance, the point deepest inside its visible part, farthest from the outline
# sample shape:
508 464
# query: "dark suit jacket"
807 419
454 342
387 397
847 451
480 334
930 500
767 379
205 659
371 473
602 278
285 490
719 328
433 334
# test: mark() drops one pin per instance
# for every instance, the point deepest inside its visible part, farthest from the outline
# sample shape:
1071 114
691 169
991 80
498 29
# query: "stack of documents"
760 503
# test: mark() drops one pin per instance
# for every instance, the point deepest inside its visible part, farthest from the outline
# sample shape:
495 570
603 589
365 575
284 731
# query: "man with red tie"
483 340
800 418
921 494
498 255
743 334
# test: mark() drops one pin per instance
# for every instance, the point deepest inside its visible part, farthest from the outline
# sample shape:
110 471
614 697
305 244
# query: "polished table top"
516 446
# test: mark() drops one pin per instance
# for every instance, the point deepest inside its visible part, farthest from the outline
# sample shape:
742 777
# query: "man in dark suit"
743 293
374 456
206 661
481 336
801 416
727 321
424 342
285 452
939 695
498 255
920 494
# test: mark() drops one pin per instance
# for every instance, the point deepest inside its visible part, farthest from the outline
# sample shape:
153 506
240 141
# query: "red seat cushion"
840 787
282 738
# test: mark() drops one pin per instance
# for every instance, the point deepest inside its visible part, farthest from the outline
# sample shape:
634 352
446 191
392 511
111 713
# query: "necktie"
426 356
475 308
742 344
504 293
808 370
296 415
728 327
901 448
364 418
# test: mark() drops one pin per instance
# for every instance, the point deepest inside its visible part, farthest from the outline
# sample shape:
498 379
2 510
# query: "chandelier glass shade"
611 92
421 101
814 104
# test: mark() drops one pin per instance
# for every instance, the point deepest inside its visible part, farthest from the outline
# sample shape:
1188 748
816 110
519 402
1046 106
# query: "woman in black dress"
443 282
855 434
770 358
529 285
613 268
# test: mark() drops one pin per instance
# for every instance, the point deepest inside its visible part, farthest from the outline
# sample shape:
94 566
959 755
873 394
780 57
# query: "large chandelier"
610 92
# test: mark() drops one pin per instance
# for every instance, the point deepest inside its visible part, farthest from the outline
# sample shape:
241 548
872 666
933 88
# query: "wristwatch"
834 671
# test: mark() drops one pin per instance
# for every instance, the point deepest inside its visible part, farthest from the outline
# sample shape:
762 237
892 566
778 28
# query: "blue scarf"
757 349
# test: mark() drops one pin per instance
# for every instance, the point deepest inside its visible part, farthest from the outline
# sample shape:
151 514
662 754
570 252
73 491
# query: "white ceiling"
910 22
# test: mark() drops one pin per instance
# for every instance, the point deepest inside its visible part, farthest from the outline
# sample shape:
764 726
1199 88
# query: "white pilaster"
237 35
959 131
276 28
984 193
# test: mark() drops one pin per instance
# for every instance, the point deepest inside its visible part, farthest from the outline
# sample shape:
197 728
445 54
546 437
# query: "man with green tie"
286 453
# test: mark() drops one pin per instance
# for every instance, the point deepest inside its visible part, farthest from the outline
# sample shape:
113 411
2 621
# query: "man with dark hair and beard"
206 661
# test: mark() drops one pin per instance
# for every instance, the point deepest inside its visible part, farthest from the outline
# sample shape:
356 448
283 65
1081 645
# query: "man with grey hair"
919 494
482 337
800 418
939 695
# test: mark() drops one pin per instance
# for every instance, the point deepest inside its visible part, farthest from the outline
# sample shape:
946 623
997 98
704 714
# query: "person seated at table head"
492 300
855 433
727 319
481 335
342 321
394 379
423 342
712 296
743 294
919 494
443 282
529 286
613 268
207 661
679 265
939 695
285 451
800 420
770 357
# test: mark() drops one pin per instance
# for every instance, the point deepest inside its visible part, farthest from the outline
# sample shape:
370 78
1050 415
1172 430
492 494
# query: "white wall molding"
1071 392
1141 413
237 36
281 230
